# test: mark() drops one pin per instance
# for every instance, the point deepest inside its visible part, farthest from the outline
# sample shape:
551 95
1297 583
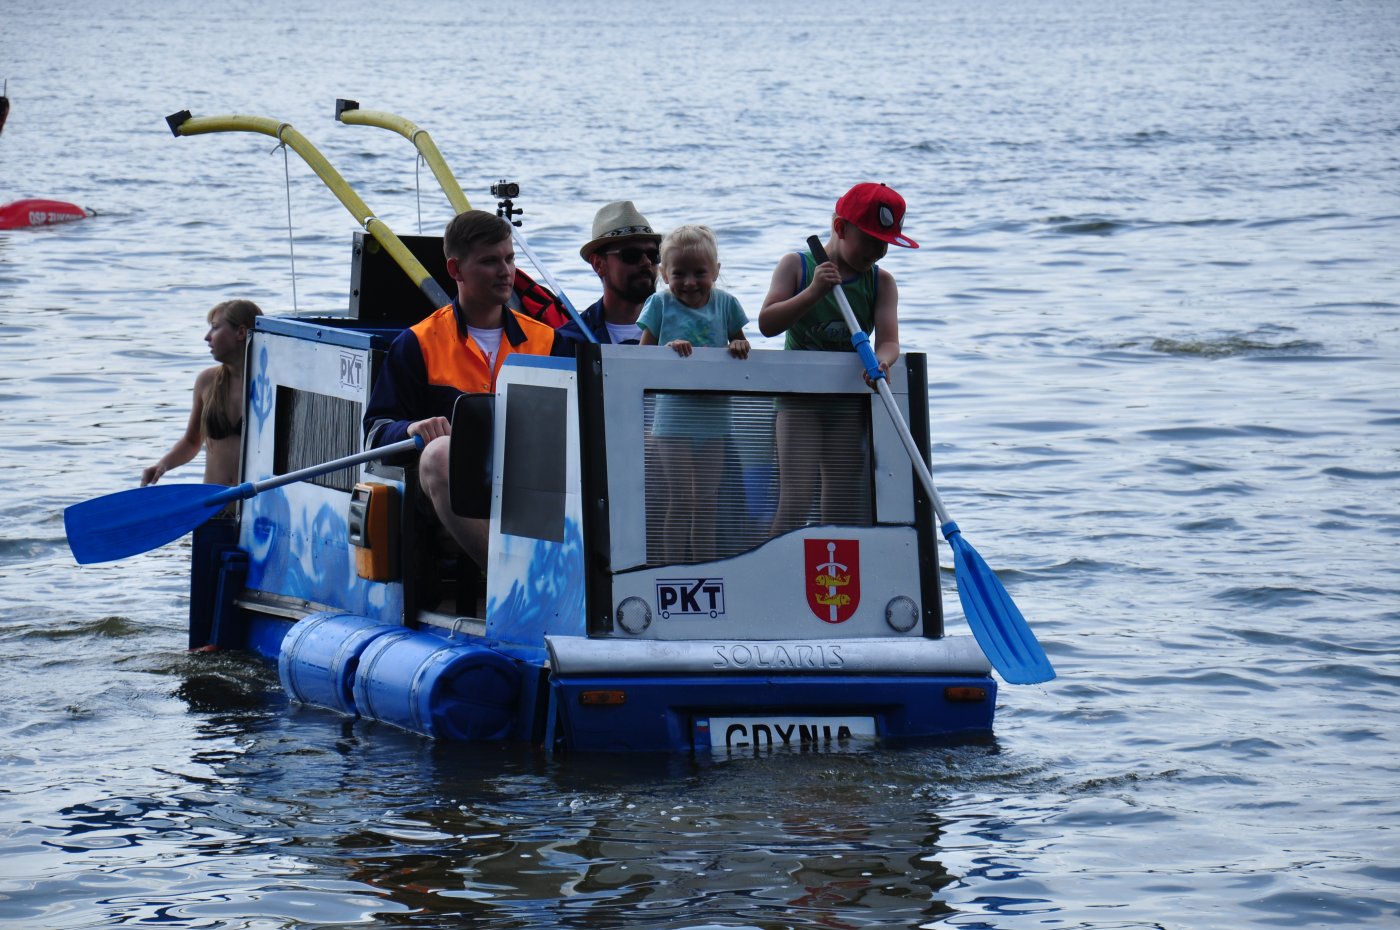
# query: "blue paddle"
995 620
140 519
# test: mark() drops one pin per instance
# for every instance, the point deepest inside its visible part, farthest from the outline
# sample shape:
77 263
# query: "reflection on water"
507 835
338 821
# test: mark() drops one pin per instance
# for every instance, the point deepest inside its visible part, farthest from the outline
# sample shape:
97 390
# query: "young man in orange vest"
457 350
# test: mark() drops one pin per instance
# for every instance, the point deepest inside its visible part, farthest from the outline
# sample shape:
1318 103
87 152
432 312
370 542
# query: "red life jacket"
538 302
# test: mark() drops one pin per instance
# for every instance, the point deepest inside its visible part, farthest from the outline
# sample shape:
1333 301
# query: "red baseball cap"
876 210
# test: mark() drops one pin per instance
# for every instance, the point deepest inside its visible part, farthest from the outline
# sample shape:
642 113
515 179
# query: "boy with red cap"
801 303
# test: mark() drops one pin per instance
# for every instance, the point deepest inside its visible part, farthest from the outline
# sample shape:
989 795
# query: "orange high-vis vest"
453 359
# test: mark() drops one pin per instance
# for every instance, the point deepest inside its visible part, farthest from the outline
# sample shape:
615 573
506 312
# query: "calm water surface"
1158 291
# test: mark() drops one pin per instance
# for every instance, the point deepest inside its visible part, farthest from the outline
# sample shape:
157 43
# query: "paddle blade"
996 622
138 519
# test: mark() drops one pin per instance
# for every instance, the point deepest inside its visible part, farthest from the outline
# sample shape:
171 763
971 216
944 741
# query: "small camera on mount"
506 209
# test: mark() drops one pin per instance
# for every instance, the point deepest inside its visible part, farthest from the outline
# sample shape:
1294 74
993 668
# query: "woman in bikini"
216 420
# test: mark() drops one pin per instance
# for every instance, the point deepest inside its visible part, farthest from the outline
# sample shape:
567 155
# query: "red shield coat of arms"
833 578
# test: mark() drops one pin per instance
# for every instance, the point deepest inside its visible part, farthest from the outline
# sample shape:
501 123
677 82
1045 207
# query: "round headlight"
901 614
634 615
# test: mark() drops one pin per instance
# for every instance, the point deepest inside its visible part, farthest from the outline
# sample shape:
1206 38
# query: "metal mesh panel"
314 428
725 472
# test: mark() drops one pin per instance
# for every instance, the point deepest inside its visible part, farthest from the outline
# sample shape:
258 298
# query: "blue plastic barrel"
320 654
430 685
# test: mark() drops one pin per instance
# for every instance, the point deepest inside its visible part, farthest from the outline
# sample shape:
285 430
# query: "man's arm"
399 397
571 335
567 339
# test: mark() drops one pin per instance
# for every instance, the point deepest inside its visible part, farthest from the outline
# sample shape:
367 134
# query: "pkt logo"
690 596
352 372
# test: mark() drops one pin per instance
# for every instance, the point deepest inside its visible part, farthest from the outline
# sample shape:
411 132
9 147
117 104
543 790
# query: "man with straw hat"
625 254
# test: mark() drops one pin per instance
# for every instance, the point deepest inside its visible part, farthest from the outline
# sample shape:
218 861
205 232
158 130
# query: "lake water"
1159 296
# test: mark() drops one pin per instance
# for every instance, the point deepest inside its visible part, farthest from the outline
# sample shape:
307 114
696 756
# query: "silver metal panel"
951 655
894 474
764 593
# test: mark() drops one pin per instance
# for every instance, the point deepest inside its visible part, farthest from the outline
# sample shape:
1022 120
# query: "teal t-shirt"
699 417
821 328
666 318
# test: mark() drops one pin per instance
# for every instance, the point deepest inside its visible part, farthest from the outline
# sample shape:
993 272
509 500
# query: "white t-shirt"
622 332
489 340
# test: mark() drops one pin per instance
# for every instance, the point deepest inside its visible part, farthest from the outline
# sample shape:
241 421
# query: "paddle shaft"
140 519
877 377
250 488
553 284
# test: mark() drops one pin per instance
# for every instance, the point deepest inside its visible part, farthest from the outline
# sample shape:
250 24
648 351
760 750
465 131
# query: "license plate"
753 734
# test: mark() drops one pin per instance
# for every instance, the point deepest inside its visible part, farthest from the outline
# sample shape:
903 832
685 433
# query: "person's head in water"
230 322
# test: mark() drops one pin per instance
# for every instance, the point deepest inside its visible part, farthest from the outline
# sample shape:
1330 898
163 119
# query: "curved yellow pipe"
183 124
348 111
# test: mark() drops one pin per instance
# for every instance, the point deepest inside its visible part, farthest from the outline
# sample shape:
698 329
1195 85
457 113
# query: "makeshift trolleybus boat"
601 622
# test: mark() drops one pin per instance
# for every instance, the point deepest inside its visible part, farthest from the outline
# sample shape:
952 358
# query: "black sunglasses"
632 254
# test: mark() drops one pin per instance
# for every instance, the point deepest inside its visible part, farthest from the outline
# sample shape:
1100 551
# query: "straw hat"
617 220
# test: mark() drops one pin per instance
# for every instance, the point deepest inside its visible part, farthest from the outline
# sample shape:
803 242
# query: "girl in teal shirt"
690 428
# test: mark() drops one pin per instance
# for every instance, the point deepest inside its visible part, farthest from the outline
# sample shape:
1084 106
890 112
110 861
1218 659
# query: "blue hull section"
461 689
673 714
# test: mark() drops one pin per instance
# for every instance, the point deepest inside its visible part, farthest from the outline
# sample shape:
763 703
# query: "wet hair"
472 228
690 238
214 422
238 312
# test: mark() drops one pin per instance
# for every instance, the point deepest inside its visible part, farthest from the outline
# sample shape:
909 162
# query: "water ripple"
1359 474
1229 346
1272 596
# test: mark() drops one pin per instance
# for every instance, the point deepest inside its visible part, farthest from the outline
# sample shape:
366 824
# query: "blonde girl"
216 419
690 429
692 311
